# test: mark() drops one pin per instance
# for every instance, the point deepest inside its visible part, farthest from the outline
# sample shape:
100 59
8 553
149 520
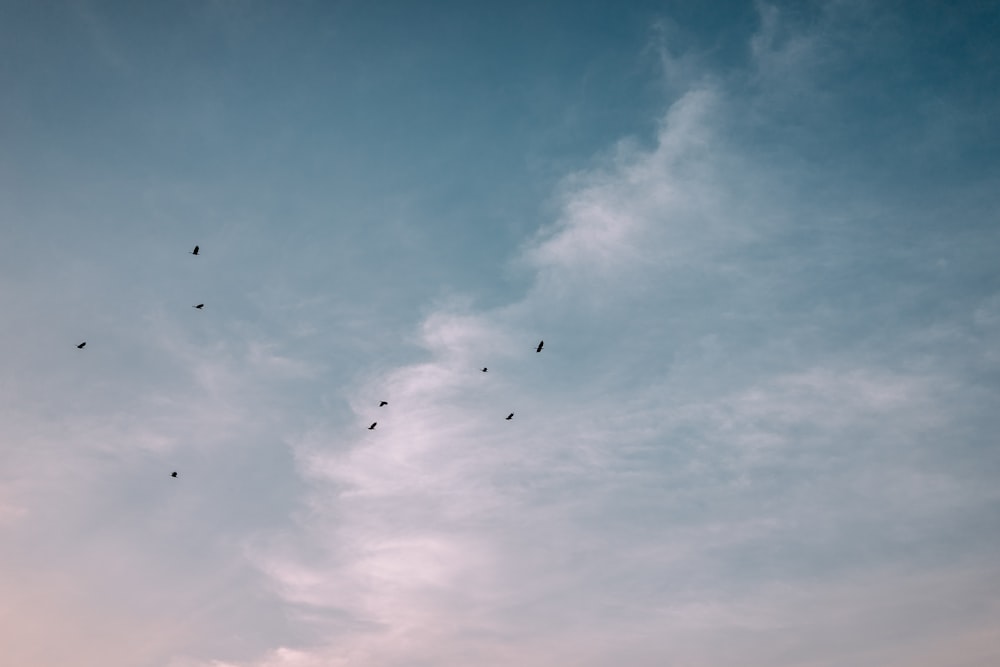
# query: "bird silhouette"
381 403
372 427
540 344
510 416
173 474
484 369
195 251
199 306
81 345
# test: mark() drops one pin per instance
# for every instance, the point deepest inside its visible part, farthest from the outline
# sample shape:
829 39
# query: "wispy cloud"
760 432
724 477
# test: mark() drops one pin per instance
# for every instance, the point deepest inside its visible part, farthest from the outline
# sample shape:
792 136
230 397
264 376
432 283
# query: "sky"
759 240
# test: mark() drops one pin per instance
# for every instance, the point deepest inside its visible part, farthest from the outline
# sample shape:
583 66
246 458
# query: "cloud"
702 468
754 435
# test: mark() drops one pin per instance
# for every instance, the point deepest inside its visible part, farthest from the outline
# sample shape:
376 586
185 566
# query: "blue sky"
759 240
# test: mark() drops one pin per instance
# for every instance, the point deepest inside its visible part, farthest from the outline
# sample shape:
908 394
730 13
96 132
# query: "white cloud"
641 512
727 452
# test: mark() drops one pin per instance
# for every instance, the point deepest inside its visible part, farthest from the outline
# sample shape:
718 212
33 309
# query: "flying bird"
199 306
81 345
383 403
484 369
173 474
540 344
195 251
372 427
510 416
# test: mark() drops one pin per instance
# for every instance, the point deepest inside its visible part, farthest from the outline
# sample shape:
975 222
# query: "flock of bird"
382 404
484 369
